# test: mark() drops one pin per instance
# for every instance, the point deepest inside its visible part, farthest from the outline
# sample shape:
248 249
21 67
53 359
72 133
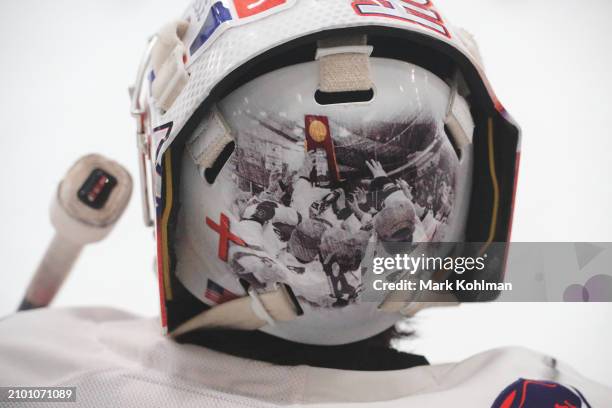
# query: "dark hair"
372 354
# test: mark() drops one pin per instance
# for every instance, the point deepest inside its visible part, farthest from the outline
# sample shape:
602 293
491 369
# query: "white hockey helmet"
284 142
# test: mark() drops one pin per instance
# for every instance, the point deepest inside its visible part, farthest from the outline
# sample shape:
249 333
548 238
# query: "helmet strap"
344 64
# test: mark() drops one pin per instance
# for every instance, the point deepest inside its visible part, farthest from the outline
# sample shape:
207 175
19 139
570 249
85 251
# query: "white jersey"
304 194
308 280
115 359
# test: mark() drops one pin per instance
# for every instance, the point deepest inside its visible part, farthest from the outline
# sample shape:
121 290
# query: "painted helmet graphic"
285 142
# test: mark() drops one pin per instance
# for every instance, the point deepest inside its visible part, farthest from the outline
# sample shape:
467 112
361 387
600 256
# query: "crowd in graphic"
313 237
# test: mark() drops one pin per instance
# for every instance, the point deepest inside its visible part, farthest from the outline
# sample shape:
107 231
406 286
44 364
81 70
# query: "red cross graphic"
225 235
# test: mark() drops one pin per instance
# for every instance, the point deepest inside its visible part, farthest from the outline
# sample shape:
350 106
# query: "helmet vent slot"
334 98
211 173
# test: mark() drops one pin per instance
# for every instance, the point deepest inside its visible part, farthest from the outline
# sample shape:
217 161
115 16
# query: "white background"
64 71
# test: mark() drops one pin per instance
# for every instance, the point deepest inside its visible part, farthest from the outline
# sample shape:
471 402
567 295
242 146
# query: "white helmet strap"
245 313
344 64
209 140
458 117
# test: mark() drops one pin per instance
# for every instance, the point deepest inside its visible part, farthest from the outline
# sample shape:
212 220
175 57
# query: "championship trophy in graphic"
319 140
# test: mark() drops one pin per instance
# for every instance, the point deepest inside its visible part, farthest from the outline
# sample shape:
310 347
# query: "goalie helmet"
284 143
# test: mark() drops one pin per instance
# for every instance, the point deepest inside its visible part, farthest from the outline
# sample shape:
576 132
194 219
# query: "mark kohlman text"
459 284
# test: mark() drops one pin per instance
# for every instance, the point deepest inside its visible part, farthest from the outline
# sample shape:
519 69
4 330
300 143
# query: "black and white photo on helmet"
396 177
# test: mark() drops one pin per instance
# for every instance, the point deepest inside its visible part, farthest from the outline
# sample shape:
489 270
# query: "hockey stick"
89 201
